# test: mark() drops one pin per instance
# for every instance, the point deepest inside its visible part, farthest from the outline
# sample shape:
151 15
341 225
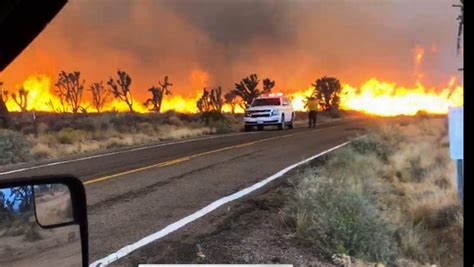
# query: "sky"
209 43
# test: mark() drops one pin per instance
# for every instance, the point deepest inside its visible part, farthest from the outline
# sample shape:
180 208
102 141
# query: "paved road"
132 194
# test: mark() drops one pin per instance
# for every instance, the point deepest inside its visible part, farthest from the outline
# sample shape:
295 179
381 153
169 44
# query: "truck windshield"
266 102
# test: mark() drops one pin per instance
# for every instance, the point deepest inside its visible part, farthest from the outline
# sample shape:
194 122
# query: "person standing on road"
312 106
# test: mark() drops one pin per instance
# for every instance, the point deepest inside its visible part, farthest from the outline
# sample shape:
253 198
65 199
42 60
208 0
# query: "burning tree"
21 98
216 99
231 100
210 101
99 95
268 85
247 89
4 114
204 103
69 89
123 93
327 91
157 95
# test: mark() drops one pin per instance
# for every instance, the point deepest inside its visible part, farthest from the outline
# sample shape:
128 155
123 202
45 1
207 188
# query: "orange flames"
388 99
374 96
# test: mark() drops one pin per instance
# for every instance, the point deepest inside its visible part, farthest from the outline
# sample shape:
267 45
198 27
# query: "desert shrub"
17 226
43 127
339 219
212 116
65 136
83 123
417 172
31 233
398 174
174 120
184 117
127 122
217 121
70 136
146 128
377 143
14 147
42 151
59 124
222 127
412 242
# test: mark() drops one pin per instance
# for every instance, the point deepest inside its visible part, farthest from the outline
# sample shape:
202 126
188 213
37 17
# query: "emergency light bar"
272 94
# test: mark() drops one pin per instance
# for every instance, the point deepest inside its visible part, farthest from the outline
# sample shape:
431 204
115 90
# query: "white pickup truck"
269 110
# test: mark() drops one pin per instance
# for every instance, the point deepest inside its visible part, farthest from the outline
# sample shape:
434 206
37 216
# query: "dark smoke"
291 41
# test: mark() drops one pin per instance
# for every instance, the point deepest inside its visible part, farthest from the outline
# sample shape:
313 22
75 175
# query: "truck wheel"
248 128
290 125
259 127
281 126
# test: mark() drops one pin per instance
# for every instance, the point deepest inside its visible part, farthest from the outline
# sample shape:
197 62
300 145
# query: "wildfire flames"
374 97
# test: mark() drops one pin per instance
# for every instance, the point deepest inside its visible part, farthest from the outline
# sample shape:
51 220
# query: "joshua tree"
4 114
22 195
99 95
231 99
157 95
21 99
268 85
210 101
216 100
247 89
204 103
165 85
69 88
4 95
327 90
123 93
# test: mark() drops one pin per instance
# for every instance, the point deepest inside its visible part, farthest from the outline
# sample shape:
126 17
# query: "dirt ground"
55 247
257 236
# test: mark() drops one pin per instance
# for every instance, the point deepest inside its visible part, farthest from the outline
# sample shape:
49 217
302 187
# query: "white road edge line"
126 151
200 213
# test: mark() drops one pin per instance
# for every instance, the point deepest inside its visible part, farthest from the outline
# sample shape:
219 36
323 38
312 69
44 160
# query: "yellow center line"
182 159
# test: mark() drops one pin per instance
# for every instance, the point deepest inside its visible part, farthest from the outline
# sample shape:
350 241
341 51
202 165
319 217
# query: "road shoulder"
251 230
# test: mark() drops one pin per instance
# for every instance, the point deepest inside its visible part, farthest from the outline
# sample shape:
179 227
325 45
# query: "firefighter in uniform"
312 106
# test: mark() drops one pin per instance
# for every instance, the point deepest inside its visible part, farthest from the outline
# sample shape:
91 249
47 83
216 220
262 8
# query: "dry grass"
61 136
77 141
403 175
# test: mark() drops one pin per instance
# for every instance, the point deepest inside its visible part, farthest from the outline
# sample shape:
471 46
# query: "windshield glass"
266 102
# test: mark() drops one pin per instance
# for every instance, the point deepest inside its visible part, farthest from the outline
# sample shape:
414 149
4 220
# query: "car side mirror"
43 222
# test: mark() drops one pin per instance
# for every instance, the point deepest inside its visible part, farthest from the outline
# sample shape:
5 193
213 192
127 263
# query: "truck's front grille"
260 115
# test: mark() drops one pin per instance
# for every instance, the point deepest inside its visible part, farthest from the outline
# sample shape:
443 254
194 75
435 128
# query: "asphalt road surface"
133 193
